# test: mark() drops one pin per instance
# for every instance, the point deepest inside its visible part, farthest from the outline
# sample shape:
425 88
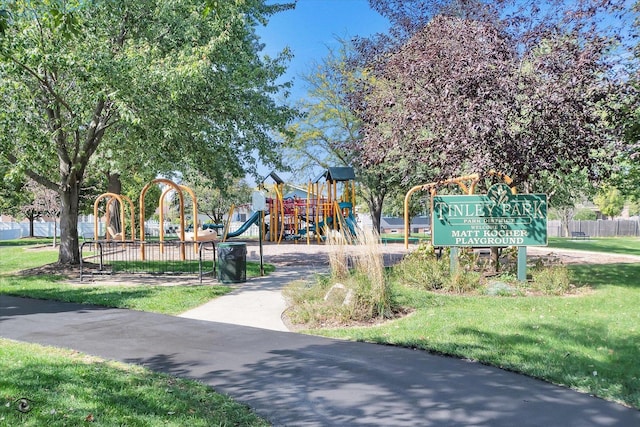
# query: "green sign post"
496 219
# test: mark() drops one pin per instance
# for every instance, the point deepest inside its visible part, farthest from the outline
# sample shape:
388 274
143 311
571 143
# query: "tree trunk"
495 259
565 225
114 185
69 249
375 207
55 232
31 226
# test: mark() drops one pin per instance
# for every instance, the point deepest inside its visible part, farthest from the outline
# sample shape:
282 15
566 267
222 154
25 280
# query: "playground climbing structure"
327 203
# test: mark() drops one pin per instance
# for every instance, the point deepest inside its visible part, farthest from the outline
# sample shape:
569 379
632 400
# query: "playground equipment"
111 232
162 256
253 219
327 203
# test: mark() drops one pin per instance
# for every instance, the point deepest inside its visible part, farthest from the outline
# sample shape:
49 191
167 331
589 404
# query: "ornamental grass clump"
339 260
356 290
360 268
373 290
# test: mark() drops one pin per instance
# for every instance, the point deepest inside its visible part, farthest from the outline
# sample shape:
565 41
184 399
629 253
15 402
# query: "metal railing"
169 257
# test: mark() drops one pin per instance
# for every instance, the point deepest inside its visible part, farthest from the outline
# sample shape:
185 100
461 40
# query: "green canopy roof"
273 176
337 174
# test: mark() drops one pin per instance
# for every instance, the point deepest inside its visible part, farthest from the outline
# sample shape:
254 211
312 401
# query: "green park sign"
498 218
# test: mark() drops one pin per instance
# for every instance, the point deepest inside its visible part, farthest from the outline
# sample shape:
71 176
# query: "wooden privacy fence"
596 228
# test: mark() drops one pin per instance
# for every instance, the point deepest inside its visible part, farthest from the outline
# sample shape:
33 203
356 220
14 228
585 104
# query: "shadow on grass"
582 355
56 291
66 392
27 241
162 299
598 275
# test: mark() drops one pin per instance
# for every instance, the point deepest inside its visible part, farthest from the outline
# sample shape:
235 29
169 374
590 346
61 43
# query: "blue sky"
312 26
308 30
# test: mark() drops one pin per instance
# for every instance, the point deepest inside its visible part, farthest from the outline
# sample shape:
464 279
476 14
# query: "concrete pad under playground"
293 379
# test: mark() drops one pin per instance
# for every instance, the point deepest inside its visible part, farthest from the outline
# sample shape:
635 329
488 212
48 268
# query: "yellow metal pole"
319 211
407 197
308 213
282 223
226 226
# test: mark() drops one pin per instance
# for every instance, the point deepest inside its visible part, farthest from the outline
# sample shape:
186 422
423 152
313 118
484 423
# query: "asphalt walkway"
239 345
299 380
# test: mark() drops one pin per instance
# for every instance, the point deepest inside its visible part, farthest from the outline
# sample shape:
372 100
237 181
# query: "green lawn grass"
27 241
158 299
65 388
589 341
399 237
614 245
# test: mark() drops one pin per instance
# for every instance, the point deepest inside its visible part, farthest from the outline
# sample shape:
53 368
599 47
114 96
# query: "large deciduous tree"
214 200
467 88
610 201
161 84
329 133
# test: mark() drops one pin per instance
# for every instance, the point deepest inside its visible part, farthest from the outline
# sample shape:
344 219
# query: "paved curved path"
298 380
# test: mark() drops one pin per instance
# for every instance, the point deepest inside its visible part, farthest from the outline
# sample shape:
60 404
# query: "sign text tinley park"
498 218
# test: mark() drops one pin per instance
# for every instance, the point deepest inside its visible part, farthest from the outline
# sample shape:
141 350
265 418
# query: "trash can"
232 262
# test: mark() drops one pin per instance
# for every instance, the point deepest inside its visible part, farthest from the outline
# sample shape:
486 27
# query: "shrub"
463 281
425 273
551 280
502 288
307 305
585 214
423 269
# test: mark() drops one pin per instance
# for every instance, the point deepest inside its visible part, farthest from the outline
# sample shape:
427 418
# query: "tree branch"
43 82
31 174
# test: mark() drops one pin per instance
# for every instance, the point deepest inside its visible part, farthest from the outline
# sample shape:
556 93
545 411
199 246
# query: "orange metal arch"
432 187
194 202
142 213
119 198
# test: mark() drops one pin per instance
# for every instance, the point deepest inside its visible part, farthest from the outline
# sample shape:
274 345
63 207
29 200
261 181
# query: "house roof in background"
297 193
394 222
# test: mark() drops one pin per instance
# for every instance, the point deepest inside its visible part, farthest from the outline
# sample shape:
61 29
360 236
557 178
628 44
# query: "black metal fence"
172 257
